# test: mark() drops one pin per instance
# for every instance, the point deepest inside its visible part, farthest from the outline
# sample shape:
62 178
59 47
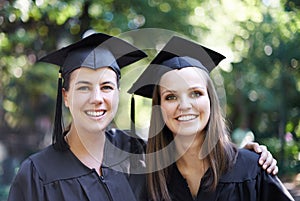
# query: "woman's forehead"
104 73
186 74
185 77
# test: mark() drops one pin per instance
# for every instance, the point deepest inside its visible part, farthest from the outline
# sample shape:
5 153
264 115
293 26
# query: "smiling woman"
189 152
186 107
85 162
92 98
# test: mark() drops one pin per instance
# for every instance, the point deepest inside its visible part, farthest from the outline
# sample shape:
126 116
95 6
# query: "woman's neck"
189 145
87 147
189 164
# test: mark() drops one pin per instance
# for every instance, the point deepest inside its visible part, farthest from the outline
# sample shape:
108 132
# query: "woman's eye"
170 97
83 88
196 94
107 88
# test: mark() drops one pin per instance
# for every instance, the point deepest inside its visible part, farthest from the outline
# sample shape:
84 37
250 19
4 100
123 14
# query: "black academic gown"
52 175
246 181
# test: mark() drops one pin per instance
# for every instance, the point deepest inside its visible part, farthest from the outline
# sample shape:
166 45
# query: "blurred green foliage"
261 74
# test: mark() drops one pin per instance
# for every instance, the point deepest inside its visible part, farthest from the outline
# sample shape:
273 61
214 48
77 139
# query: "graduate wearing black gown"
191 155
246 181
56 173
56 176
67 170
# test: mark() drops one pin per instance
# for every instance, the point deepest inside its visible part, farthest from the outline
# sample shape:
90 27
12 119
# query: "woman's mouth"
186 117
95 113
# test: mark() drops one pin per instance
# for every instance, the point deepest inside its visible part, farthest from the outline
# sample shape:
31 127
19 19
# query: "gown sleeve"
253 182
271 188
27 185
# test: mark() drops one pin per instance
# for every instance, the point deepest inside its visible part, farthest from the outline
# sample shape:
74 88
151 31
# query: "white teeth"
95 114
186 117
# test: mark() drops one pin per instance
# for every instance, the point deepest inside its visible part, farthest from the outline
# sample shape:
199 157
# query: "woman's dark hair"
59 130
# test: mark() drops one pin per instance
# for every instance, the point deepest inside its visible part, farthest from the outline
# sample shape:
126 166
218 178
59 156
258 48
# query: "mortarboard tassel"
132 115
133 144
57 137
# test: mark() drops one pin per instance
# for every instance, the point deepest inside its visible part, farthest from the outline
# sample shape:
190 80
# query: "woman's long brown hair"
221 156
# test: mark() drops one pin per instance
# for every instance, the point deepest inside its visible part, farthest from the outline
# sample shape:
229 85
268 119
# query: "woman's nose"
184 103
96 96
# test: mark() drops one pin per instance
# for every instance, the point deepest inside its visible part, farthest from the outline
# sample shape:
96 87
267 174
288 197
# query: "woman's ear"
65 95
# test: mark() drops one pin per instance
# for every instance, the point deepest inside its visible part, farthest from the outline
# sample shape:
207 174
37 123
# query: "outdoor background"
261 75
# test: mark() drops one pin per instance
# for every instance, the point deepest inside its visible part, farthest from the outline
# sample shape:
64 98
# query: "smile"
95 113
186 117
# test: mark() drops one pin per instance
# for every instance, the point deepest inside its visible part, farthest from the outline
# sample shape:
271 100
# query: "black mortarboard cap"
95 51
176 54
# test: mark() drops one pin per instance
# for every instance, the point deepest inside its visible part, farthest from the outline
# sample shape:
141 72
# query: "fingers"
265 157
267 161
273 168
254 146
275 171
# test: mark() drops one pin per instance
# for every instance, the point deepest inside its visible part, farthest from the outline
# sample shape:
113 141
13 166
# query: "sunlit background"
261 74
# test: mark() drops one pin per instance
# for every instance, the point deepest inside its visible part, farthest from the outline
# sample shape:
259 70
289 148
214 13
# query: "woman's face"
92 98
185 102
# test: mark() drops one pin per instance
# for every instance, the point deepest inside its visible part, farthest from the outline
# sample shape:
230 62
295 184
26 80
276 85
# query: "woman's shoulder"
37 163
40 157
50 165
247 157
125 140
245 168
46 156
119 151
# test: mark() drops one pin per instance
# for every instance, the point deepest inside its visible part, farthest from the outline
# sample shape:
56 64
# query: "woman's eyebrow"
167 91
82 82
107 82
102 83
197 87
